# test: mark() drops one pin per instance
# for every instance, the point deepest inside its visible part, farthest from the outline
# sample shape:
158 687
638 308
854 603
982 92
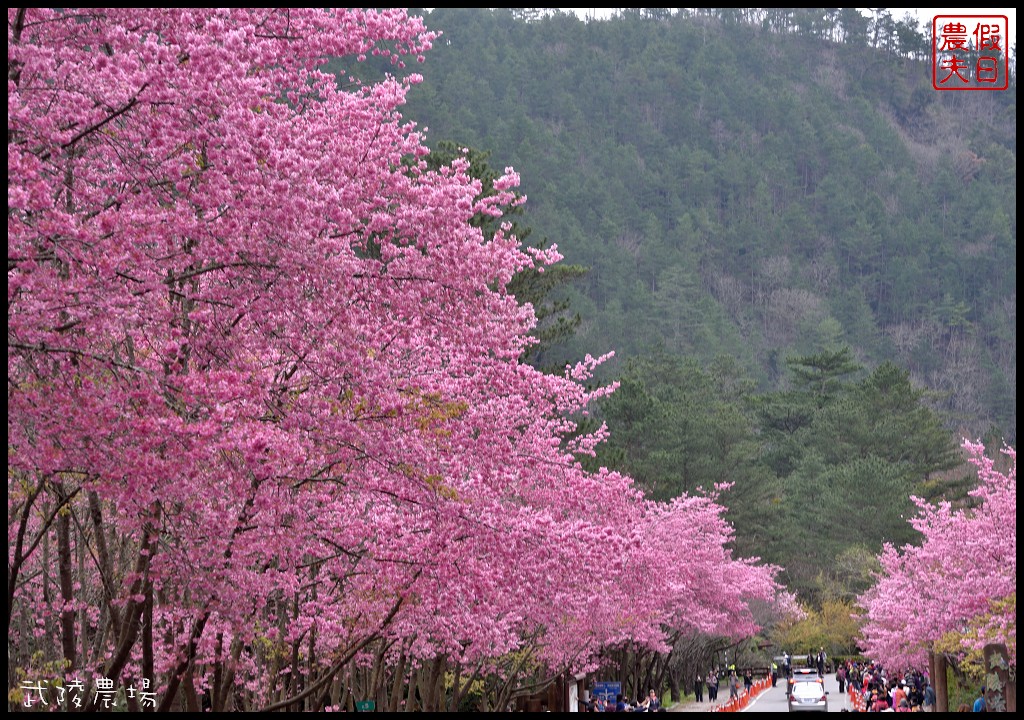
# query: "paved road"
774 700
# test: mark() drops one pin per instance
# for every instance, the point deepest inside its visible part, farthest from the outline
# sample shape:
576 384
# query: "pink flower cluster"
961 579
263 384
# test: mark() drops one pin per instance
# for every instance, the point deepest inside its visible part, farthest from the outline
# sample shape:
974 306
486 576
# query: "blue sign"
607 691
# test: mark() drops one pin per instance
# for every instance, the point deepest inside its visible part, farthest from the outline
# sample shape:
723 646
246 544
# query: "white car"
807 694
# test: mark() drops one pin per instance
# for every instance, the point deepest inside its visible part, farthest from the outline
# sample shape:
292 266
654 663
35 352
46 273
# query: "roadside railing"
738 703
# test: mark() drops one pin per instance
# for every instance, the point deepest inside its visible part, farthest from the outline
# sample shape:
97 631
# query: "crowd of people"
651 703
880 692
736 682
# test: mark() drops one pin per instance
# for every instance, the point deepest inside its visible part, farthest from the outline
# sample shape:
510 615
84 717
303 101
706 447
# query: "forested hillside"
756 184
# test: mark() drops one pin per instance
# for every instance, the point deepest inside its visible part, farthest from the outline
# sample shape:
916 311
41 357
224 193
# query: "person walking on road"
928 703
713 686
899 695
698 688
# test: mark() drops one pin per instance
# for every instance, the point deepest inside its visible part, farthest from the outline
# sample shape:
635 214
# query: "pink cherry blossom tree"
267 422
956 591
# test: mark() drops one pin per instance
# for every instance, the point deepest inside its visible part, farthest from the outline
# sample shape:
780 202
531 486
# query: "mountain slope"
753 183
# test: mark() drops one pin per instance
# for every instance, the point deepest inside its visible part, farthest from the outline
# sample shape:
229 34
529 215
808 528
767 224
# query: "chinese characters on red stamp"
969 52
